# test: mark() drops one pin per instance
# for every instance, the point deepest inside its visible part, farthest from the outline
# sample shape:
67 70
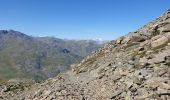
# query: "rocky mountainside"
133 67
38 58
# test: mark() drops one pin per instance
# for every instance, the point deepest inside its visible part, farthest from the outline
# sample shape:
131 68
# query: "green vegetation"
89 61
22 56
2 81
94 58
130 45
157 65
157 32
142 54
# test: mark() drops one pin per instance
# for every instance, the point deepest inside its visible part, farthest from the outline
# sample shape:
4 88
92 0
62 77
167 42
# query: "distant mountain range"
38 58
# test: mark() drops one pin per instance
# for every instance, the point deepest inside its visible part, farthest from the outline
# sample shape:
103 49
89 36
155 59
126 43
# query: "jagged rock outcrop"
133 67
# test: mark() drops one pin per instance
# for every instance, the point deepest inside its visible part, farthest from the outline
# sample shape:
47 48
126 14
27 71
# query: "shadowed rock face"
132 67
38 58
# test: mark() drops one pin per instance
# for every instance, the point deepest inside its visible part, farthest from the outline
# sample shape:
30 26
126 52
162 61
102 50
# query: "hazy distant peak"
14 33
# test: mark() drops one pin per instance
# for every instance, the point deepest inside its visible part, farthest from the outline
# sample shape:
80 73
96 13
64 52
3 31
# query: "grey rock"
116 93
166 28
160 57
163 40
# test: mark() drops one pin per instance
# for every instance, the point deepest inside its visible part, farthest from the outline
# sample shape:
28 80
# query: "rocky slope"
133 67
38 58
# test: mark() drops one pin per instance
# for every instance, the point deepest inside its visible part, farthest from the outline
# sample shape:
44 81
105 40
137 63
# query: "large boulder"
134 38
138 38
159 41
166 28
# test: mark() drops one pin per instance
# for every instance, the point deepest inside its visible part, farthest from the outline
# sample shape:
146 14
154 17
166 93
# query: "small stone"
142 91
63 91
145 97
119 40
116 77
162 91
116 93
38 93
164 86
47 92
58 93
149 52
129 83
131 62
143 61
167 60
136 80
134 88
119 63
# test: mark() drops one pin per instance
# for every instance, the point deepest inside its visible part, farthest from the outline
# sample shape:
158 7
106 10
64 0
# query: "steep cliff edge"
133 67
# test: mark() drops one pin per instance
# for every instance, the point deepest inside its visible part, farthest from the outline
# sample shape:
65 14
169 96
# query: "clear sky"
79 19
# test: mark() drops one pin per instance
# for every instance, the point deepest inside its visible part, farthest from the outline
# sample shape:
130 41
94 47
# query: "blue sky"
79 19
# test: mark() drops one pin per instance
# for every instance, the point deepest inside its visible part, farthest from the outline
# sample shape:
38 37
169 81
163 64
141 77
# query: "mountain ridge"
133 67
26 56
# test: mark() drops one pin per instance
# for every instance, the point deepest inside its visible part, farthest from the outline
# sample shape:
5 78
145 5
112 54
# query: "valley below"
38 58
